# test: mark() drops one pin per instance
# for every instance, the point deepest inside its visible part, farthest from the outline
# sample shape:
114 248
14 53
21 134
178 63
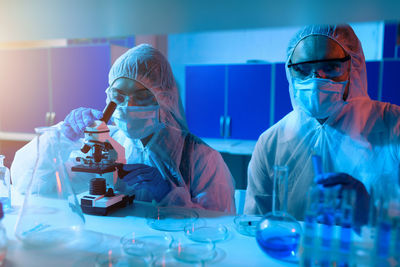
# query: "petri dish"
167 260
171 219
193 252
204 233
146 245
119 260
247 224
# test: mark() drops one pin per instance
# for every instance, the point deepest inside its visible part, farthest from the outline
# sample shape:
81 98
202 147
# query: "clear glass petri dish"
146 245
168 260
186 250
247 224
108 259
205 234
171 219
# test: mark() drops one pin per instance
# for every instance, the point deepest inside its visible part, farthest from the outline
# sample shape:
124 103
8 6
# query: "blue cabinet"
205 96
79 77
373 68
248 101
38 81
390 81
282 103
228 101
24 85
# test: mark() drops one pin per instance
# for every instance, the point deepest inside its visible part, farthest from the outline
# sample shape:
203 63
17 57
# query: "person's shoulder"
273 132
196 142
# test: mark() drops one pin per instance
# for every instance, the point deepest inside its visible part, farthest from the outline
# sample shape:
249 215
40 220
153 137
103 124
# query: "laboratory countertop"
103 233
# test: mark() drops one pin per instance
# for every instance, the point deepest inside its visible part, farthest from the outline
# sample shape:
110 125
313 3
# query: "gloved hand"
77 120
343 182
142 176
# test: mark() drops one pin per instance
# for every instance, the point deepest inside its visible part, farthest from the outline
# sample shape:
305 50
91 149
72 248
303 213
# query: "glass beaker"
278 233
5 183
50 214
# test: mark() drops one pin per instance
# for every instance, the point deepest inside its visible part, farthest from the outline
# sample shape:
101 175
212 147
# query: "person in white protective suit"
165 162
333 116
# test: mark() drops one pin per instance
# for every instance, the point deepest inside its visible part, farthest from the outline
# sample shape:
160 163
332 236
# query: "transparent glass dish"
171 219
205 234
110 258
146 245
247 224
167 260
186 250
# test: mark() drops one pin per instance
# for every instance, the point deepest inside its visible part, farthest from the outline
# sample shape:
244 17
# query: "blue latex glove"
77 120
142 176
346 182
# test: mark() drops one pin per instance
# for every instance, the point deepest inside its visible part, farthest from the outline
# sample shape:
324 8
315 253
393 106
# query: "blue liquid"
279 244
6 203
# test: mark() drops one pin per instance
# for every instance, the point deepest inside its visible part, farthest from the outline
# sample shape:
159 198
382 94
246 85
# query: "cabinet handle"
47 118
228 127
52 118
221 126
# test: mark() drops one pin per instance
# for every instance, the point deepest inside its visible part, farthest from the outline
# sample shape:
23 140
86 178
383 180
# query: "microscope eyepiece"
108 111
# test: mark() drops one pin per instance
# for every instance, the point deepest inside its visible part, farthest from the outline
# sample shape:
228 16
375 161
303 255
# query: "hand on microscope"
142 176
343 181
77 120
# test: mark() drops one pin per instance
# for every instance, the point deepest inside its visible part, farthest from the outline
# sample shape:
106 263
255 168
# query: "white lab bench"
104 232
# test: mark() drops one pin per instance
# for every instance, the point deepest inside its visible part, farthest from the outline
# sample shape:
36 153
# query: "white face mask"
318 97
138 122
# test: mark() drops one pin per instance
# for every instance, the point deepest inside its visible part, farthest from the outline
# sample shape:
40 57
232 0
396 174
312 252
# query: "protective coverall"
197 173
361 139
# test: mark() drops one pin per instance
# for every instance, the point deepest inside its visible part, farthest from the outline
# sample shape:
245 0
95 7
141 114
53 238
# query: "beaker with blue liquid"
278 233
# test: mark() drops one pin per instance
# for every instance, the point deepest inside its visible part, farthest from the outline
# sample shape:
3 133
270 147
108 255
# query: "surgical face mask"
319 98
138 122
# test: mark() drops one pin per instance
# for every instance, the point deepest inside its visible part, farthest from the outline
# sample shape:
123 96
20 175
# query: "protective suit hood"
148 66
347 39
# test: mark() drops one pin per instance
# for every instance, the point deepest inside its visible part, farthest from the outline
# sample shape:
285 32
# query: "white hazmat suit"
362 139
197 173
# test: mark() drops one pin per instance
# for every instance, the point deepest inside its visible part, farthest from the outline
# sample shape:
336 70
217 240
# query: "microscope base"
104 205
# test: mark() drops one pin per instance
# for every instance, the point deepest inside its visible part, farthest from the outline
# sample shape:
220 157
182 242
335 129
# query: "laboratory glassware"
146 246
278 233
3 238
5 189
50 214
171 219
247 224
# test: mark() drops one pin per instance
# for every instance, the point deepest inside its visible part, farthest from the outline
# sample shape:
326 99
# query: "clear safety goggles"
142 97
326 68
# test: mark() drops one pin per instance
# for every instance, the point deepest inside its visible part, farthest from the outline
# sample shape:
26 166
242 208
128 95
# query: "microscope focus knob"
85 148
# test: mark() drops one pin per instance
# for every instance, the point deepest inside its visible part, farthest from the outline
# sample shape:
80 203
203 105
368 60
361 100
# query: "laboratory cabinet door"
390 81
24 85
248 100
79 77
282 102
205 86
373 68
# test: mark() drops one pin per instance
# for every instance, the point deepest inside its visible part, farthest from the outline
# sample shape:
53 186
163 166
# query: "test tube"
310 229
382 242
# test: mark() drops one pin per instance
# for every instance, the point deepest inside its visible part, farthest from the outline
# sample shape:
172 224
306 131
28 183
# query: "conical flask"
278 232
50 214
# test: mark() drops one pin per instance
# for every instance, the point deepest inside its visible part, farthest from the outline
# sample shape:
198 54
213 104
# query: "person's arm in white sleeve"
259 183
209 183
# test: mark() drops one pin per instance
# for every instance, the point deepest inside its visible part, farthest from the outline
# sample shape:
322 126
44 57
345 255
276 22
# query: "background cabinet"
35 82
228 101
24 85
